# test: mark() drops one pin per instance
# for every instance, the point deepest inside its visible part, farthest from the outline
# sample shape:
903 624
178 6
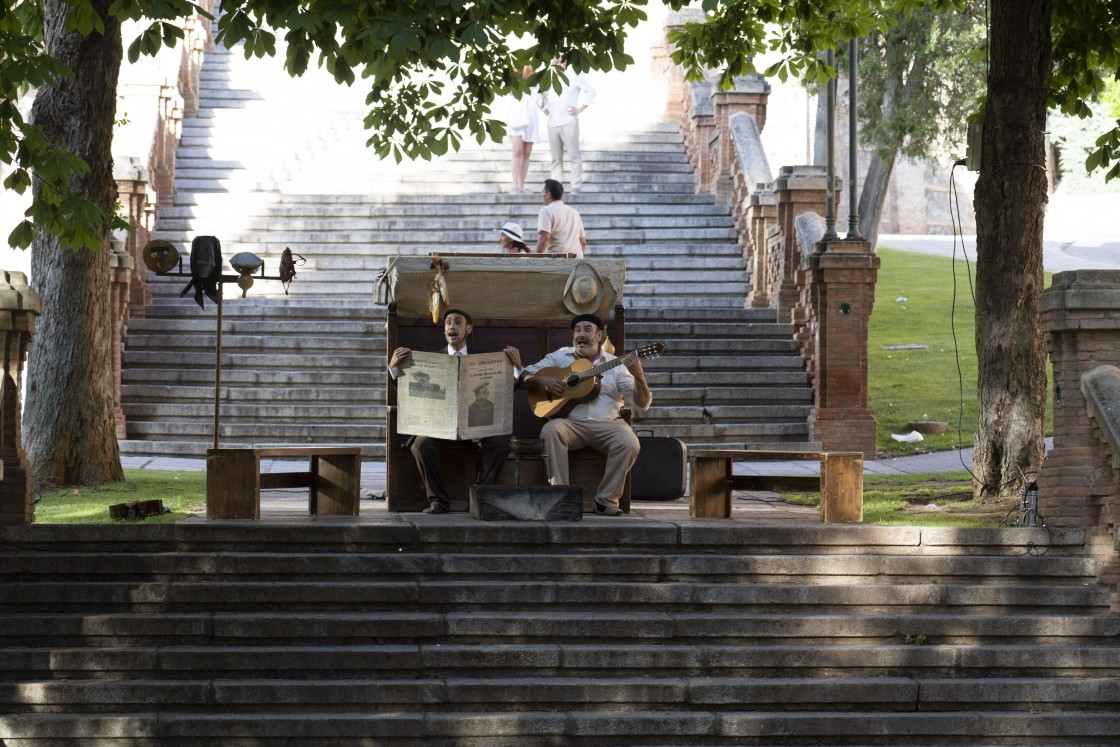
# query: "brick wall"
1079 484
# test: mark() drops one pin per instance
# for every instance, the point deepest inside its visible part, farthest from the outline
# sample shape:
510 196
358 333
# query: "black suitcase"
659 474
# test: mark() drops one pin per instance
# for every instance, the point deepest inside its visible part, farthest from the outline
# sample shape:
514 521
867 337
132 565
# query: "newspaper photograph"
485 395
457 398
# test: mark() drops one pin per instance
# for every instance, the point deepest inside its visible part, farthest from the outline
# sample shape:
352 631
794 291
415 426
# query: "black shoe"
437 508
607 510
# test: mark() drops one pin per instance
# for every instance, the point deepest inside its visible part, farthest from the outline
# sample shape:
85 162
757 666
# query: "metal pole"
830 130
218 368
853 212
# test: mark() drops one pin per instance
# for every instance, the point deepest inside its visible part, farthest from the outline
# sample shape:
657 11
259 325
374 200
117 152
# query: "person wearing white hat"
509 237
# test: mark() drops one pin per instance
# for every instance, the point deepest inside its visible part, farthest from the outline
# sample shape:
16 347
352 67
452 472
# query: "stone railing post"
749 96
838 291
1077 485
120 270
762 214
676 88
19 305
134 195
698 131
797 190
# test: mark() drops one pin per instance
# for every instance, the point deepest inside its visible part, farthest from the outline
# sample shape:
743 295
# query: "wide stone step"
150 328
790 598
607 726
275 340
286 410
404 661
263 361
558 627
195 446
253 431
134 394
252 378
614 566
430 225
317 207
466 694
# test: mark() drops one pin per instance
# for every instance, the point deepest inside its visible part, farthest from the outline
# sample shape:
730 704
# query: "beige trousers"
614 438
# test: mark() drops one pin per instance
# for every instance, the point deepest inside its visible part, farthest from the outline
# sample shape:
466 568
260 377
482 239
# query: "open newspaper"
455 397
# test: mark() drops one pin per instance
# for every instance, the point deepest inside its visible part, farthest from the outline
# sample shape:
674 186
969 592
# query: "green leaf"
22 236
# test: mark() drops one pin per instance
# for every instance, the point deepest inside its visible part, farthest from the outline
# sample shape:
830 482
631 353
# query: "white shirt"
560 104
616 386
564 227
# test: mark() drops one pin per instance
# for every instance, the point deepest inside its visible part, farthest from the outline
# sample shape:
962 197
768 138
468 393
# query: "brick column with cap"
838 292
19 305
1078 485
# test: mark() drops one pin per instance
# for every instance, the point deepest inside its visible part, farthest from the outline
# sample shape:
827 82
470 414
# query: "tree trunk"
1010 201
69 430
873 195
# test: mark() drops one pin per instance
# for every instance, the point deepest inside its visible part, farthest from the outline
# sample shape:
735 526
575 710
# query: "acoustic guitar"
581 382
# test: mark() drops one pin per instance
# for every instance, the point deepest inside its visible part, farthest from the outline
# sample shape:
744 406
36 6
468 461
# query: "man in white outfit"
563 112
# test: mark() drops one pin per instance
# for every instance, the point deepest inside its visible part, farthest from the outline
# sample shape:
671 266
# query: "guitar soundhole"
571 381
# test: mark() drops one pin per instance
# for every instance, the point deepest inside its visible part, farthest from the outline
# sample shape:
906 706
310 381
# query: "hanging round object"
160 256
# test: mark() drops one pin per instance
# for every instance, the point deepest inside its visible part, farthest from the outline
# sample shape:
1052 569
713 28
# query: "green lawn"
182 492
919 303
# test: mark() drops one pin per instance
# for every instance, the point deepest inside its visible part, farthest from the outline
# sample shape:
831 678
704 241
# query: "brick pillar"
120 269
762 213
797 190
749 95
132 188
838 292
676 93
1078 485
698 133
19 305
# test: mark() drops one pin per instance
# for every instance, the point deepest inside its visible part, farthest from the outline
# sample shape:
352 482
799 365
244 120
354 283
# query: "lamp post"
162 258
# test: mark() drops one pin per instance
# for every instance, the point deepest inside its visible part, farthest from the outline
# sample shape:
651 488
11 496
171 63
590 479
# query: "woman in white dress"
523 129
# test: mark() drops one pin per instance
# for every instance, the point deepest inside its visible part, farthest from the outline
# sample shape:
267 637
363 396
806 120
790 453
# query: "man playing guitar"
595 423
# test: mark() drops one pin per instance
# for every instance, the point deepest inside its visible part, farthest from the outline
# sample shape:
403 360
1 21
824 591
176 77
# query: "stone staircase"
428 631
262 174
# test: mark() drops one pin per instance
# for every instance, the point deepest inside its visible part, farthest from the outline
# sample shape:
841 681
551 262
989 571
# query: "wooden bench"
840 481
234 480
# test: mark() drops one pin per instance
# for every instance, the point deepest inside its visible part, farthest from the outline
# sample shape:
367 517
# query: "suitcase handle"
643 431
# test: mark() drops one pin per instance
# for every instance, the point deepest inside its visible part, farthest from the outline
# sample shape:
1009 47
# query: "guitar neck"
603 367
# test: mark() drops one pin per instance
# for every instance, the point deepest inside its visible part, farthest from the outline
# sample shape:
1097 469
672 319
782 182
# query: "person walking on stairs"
559 226
563 110
523 129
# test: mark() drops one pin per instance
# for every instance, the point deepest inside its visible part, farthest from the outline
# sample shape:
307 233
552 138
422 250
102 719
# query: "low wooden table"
840 482
234 480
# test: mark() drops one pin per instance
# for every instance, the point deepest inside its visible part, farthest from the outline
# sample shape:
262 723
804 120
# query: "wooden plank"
755 455
303 451
799 483
842 488
233 488
277 480
336 482
709 493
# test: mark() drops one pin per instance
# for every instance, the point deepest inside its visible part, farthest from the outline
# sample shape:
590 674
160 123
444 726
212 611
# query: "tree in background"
1037 55
432 71
918 83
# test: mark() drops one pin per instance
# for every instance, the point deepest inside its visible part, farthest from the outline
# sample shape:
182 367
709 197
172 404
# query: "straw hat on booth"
584 291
